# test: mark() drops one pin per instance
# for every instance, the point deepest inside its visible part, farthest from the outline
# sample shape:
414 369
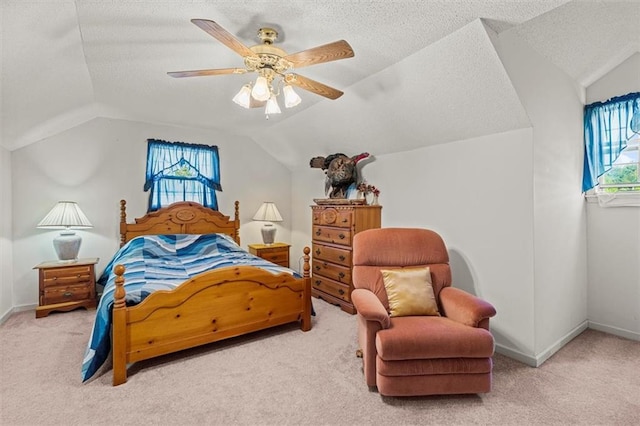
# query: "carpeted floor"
287 377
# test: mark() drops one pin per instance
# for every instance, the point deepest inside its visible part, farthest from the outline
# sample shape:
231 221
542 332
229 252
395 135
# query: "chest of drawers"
333 228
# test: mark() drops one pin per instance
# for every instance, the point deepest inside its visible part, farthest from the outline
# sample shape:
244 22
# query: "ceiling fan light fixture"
243 97
272 106
291 98
261 91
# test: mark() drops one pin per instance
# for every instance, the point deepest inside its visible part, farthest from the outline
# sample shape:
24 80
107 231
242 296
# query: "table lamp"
67 215
268 213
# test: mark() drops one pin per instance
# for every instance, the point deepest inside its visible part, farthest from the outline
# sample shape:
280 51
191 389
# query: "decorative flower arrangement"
364 189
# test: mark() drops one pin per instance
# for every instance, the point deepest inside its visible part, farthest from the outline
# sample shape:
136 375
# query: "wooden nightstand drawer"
69 293
63 276
277 253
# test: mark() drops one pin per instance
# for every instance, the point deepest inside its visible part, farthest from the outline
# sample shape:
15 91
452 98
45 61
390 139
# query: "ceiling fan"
273 65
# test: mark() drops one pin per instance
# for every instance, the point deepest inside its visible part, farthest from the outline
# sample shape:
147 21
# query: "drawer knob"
341 291
318 267
345 220
318 252
342 236
318 232
341 257
318 282
67 294
341 275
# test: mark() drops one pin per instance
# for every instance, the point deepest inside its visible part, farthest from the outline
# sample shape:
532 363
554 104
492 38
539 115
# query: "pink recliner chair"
446 352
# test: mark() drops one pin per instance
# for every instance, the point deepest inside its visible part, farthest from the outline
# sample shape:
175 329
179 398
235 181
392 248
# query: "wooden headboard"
184 217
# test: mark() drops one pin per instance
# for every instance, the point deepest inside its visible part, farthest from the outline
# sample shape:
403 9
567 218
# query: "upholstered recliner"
446 353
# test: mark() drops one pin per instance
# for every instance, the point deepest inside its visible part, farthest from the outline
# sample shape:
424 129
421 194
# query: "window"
623 175
611 144
178 171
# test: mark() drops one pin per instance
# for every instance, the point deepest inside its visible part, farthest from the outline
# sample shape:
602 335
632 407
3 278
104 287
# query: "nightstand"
277 252
64 286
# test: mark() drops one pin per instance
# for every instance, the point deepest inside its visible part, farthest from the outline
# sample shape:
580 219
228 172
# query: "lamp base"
67 245
268 233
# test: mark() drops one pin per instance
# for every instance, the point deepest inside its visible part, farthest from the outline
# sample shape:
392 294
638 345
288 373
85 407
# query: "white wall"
103 161
553 102
6 251
460 191
614 235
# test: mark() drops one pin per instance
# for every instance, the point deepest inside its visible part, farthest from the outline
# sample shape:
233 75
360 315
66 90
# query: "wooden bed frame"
212 306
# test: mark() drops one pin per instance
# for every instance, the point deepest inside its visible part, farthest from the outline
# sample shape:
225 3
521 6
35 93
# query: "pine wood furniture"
277 253
66 286
333 229
212 306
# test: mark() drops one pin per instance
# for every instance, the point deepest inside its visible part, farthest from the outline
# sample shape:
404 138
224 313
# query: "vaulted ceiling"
65 62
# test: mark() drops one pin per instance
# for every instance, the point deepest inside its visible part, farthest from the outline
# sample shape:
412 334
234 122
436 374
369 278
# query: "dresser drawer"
332 254
336 289
329 270
69 275
332 235
69 293
333 217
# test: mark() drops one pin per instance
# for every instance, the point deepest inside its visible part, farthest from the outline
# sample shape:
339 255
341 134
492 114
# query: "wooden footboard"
212 306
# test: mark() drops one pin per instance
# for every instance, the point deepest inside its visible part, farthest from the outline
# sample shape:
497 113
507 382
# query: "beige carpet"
287 377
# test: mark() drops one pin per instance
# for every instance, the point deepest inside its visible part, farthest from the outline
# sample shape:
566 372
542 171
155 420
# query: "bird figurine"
340 172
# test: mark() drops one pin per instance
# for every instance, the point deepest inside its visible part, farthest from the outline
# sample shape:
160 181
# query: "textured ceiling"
65 62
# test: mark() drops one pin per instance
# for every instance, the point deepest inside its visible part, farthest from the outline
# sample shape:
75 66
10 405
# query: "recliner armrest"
466 308
370 307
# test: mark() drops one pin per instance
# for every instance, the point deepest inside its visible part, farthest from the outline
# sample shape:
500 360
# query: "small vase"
374 201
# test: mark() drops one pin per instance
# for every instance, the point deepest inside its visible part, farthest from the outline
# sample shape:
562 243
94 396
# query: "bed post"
119 330
123 222
306 314
237 224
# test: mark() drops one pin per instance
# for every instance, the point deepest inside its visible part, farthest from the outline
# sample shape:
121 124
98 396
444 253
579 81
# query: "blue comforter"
160 262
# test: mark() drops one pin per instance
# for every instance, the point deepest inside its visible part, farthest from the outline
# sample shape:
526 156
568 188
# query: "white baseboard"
14 310
537 360
627 334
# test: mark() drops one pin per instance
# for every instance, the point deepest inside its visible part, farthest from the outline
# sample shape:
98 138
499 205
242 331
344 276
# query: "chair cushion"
409 291
432 337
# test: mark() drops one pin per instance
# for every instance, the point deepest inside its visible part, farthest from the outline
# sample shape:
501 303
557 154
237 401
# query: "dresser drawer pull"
341 257
55 278
341 275
318 267
345 220
318 252
341 291
318 232
342 236
67 294
318 282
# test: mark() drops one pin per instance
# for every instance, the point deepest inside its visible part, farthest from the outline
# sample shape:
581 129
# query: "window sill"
617 199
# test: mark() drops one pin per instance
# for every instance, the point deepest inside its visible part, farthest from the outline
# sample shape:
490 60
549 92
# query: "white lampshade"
66 214
243 97
260 91
272 106
268 212
291 98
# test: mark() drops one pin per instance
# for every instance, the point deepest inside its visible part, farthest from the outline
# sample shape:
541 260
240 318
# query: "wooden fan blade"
317 55
313 86
223 36
199 73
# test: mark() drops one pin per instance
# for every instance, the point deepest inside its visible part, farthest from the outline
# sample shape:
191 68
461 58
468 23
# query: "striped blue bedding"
160 262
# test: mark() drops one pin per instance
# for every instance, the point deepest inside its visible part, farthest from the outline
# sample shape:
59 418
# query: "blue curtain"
606 131
165 186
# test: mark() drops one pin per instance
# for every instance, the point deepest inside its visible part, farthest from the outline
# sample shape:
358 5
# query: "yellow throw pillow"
409 291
